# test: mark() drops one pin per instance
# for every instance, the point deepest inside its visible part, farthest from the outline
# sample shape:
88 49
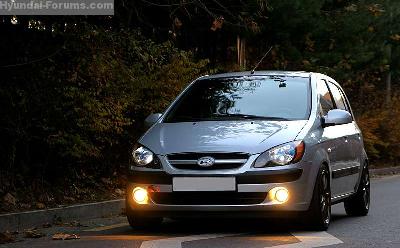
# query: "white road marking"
177 241
311 239
307 240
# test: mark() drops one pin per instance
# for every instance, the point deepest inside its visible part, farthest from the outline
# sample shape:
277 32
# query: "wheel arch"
365 166
322 161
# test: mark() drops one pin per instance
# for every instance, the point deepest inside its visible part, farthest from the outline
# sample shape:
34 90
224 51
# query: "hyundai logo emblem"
206 161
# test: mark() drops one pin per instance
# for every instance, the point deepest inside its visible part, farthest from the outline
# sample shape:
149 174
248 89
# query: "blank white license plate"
204 184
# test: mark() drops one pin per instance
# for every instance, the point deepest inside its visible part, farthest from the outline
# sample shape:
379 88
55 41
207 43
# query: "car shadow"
232 226
183 227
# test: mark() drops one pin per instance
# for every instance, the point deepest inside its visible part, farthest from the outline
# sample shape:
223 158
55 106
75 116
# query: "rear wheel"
139 222
319 213
359 203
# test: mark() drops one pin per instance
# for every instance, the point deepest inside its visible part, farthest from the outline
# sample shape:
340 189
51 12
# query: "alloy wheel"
325 196
366 188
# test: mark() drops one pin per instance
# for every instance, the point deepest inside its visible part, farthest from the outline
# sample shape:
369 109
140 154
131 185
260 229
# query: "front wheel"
359 203
319 212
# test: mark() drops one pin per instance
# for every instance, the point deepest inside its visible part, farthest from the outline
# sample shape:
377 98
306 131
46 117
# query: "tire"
318 216
359 203
137 222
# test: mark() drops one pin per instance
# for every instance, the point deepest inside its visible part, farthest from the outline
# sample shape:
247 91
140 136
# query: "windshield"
267 97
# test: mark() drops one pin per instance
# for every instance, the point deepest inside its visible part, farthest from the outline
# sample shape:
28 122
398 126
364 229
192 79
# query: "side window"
324 96
346 101
338 97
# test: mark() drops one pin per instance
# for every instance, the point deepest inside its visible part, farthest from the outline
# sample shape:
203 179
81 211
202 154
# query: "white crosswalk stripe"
307 240
176 242
311 239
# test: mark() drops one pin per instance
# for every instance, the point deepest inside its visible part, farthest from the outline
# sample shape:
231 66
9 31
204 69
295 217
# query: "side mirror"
336 117
151 119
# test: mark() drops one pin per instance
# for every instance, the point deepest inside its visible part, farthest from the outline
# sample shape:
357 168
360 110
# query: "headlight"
142 156
284 154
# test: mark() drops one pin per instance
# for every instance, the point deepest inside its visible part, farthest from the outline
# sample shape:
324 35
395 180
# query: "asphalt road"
381 228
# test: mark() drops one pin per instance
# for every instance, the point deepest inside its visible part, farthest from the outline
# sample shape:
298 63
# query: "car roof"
260 73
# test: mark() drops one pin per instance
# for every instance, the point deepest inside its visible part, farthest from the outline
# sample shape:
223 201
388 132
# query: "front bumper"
297 178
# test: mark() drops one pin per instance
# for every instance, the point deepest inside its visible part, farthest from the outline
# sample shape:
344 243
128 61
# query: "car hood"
220 136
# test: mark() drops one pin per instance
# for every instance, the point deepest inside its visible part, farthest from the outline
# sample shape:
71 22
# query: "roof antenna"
259 62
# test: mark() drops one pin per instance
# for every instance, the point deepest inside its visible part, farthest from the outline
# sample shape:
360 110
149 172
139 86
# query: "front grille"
208 198
223 161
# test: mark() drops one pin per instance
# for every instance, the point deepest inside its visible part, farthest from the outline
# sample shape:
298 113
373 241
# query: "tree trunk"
241 51
389 56
389 86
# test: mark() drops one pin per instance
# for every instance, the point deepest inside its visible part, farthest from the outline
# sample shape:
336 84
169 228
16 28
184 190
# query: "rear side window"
325 99
338 97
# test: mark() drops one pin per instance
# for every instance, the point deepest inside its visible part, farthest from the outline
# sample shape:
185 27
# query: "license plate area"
204 184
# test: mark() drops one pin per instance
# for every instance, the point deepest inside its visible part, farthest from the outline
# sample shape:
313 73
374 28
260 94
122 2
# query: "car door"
331 136
356 144
345 172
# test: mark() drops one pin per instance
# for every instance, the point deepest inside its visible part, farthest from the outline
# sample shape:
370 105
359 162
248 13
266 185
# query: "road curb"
36 218
385 171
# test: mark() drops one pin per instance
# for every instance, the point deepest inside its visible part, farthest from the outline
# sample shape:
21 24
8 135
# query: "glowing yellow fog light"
140 195
279 194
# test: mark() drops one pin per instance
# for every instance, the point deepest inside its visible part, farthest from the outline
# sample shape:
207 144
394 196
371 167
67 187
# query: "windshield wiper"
252 117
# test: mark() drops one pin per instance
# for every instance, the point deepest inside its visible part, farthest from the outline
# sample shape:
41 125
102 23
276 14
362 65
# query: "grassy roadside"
69 192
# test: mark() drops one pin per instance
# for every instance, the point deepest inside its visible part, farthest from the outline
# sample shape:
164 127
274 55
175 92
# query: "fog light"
140 195
279 194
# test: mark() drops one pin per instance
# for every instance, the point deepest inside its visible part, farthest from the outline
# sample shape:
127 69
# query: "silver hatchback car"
266 143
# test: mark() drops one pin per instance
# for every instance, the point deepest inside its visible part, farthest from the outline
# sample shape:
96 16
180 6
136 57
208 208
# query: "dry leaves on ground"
6 237
65 236
74 223
33 233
